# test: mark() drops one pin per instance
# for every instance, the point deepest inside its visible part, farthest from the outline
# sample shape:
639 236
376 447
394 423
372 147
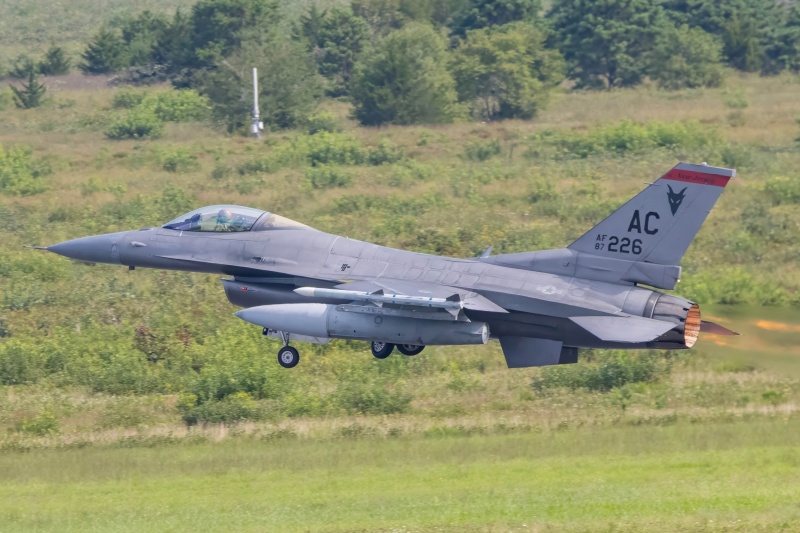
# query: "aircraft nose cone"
96 249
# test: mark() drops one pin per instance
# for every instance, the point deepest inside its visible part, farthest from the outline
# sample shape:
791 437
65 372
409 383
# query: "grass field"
739 477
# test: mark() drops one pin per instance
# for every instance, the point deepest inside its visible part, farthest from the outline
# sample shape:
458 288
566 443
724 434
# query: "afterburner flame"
692 327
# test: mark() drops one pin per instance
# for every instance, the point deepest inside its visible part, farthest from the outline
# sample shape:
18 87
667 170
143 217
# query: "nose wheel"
382 350
288 357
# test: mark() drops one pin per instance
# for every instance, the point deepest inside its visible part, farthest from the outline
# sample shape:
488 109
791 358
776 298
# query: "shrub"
359 392
179 160
384 154
234 408
178 106
478 151
136 124
127 98
330 148
625 137
783 190
322 122
19 174
40 425
614 369
327 177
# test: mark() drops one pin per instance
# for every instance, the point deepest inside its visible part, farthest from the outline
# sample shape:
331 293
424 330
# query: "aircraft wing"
419 289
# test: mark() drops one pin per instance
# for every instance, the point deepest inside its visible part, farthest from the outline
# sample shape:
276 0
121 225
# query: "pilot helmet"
224 216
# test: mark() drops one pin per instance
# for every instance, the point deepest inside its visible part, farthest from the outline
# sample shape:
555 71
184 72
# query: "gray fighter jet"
301 284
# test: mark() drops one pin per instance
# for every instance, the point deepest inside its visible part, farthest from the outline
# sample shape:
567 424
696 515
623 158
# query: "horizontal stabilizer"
623 328
714 328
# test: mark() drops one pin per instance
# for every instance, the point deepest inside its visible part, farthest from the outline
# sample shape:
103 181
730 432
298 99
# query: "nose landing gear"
288 356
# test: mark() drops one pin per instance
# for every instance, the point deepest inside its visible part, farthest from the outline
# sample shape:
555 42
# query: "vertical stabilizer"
659 223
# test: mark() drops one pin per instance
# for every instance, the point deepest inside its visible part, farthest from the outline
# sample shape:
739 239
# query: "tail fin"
659 223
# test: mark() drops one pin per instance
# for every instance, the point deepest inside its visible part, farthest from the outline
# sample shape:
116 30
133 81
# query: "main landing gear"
382 350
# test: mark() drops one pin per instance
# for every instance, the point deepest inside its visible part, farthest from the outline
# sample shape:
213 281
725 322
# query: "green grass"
715 477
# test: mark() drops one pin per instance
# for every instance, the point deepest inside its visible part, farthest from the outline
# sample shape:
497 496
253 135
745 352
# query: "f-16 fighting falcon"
301 284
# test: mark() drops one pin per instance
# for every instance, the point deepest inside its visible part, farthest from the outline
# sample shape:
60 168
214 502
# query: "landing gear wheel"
382 350
288 357
409 349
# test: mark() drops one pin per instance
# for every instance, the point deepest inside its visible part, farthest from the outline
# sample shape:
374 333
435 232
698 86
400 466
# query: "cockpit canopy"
230 218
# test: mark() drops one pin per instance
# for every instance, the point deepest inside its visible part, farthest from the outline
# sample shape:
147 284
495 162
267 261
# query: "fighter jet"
301 284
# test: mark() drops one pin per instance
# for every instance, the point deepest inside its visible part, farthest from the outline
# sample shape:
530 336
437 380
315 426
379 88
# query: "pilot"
224 218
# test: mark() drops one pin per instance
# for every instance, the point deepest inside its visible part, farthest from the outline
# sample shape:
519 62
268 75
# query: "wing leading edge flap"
522 352
623 328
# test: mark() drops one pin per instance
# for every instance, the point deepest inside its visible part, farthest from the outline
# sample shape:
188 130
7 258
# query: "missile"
452 303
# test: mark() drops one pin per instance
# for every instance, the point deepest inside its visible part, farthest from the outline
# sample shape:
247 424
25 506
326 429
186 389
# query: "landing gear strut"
409 349
288 356
381 350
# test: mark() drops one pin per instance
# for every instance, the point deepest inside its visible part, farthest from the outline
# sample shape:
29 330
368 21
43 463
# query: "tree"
106 53
686 57
22 66
404 80
507 72
336 38
218 27
749 29
31 94
55 62
173 46
486 13
783 50
605 41
140 35
289 87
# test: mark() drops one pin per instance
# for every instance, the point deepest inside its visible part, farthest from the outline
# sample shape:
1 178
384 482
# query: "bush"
40 425
179 160
614 369
136 124
178 106
625 137
127 98
327 177
322 122
479 151
234 408
19 174
333 149
359 392
783 190
384 154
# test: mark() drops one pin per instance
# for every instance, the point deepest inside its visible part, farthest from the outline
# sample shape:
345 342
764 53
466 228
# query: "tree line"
411 61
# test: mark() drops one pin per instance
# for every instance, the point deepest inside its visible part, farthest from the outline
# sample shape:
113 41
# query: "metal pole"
257 126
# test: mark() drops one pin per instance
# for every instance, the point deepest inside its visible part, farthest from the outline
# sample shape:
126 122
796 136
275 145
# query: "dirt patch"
70 82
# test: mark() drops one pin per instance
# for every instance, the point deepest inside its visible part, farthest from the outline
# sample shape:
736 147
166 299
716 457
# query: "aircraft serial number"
619 245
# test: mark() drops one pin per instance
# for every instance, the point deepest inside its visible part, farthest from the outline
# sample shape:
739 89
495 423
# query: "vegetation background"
136 400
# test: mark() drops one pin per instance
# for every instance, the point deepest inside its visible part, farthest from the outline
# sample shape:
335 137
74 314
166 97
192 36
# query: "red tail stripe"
697 177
